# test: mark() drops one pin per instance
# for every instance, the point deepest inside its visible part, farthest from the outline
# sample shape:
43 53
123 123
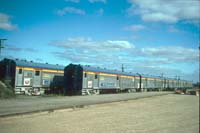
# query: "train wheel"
131 90
96 92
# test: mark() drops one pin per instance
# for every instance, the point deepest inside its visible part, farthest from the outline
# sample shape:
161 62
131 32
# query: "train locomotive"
28 77
84 80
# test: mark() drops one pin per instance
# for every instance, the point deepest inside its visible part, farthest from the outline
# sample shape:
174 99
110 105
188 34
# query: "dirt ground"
26 104
166 114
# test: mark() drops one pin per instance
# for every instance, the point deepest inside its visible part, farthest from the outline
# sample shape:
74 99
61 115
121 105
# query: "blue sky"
147 36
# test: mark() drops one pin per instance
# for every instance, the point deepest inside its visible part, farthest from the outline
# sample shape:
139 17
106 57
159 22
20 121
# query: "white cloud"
173 53
159 17
113 53
72 10
125 49
87 50
5 23
118 44
74 1
91 45
94 1
137 27
166 11
19 49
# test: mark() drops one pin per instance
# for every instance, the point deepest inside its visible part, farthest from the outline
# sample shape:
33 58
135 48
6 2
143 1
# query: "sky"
154 37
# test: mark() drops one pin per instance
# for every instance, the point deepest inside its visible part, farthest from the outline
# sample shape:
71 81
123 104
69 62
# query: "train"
28 77
87 80
32 78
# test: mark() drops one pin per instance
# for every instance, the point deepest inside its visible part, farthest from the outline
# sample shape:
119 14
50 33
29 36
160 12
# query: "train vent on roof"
46 62
31 61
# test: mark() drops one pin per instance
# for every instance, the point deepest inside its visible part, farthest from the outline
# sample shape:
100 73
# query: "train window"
85 75
95 76
20 71
117 77
37 73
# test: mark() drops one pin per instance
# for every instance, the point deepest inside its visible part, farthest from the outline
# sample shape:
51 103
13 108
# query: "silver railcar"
81 80
29 77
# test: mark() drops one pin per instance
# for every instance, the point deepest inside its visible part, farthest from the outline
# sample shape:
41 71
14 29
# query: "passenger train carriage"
82 80
150 83
36 78
29 77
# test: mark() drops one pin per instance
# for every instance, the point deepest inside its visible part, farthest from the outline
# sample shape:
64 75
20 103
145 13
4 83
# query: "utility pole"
1 44
177 81
162 75
162 81
199 66
122 68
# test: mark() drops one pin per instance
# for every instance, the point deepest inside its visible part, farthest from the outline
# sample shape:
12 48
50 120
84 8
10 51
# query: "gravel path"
162 114
29 104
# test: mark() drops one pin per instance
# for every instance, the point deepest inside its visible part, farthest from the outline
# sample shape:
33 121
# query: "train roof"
102 70
97 69
24 63
150 76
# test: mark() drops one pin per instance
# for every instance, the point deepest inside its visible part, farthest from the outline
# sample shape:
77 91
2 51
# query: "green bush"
6 91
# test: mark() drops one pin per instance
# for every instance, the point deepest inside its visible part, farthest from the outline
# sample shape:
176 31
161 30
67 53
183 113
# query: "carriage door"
19 74
37 79
95 84
90 81
28 75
